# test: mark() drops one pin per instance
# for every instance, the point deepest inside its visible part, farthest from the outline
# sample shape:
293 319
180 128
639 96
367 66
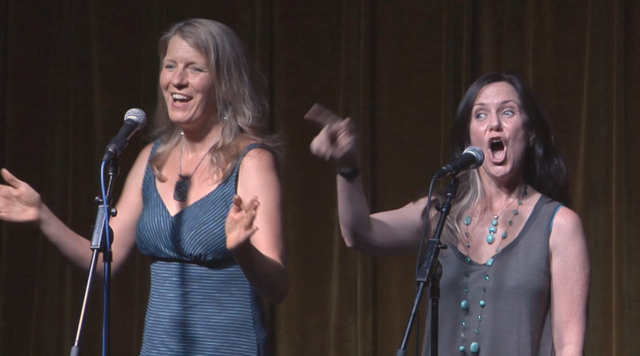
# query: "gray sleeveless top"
200 302
516 317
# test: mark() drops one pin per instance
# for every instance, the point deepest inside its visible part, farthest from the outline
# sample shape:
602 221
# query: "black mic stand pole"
99 245
429 273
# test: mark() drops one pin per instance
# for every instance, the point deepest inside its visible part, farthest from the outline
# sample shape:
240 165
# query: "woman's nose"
494 122
178 79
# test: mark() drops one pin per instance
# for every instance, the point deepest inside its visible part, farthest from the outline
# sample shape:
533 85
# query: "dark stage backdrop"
71 68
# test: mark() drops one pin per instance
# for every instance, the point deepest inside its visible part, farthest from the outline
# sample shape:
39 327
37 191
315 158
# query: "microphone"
134 120
472 157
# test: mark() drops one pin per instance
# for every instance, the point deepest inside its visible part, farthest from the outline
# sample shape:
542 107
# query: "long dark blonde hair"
239 95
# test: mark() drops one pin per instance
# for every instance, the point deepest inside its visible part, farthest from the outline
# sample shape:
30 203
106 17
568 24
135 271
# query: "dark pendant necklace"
183 184
182 188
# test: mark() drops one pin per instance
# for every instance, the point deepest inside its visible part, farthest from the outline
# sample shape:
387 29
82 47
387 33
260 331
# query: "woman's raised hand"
338 140
18 201
239 225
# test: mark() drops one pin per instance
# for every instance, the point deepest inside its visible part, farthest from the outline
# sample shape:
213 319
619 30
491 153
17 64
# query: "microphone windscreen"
136 115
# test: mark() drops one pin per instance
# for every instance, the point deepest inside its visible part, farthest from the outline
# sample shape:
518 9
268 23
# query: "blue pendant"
490 238
474 347
464 305
494 222
467 220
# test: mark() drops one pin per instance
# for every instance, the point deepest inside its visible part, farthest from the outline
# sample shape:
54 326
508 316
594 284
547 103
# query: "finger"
250 218
251 205
347 124
344 132
10 178
316 143
237 203
321 115
252 231
321 146
345 146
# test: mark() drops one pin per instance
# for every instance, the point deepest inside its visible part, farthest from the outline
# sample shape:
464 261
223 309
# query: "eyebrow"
501 103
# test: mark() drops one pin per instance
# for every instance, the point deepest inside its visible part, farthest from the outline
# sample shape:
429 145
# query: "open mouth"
497 148
180 98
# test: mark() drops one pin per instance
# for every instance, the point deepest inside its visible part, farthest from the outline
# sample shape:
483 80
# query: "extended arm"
386 233
21 203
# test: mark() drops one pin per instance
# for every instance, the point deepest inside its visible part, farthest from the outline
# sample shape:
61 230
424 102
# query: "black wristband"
350 174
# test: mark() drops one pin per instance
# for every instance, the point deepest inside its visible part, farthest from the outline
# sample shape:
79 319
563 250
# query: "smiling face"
187 85
498 127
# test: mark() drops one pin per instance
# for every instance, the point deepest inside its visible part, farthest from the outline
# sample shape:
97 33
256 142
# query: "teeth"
179 97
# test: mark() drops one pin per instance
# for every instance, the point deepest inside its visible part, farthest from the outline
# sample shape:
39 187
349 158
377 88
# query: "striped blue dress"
200 302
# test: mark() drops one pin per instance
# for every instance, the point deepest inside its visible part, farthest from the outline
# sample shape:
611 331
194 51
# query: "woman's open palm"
18 201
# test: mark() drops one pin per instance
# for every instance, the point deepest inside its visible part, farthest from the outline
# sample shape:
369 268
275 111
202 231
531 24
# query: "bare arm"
20 203
570 275
386 233
254 226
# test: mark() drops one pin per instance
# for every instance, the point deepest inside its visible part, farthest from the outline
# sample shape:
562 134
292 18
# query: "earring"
225 112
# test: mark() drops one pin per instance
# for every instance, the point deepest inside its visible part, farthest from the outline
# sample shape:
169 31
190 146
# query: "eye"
168 66
196 69
508 113
480 115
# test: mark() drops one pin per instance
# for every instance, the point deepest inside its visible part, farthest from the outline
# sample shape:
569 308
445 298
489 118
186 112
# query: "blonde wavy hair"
239 96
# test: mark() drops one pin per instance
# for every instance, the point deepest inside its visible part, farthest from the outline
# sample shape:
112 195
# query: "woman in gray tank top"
516 274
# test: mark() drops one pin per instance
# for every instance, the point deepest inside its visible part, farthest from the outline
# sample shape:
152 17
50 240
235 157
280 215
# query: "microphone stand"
99 245
429 273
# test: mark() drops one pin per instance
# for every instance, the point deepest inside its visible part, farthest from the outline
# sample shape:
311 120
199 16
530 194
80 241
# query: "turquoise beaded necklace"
474 347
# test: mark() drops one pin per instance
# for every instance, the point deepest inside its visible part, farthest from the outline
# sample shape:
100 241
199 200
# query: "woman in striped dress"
202 201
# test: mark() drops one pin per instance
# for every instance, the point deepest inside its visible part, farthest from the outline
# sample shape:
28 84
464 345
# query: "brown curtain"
71 68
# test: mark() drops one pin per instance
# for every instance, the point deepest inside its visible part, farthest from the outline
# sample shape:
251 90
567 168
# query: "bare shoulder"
566 220
566 228
258 159
258 172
